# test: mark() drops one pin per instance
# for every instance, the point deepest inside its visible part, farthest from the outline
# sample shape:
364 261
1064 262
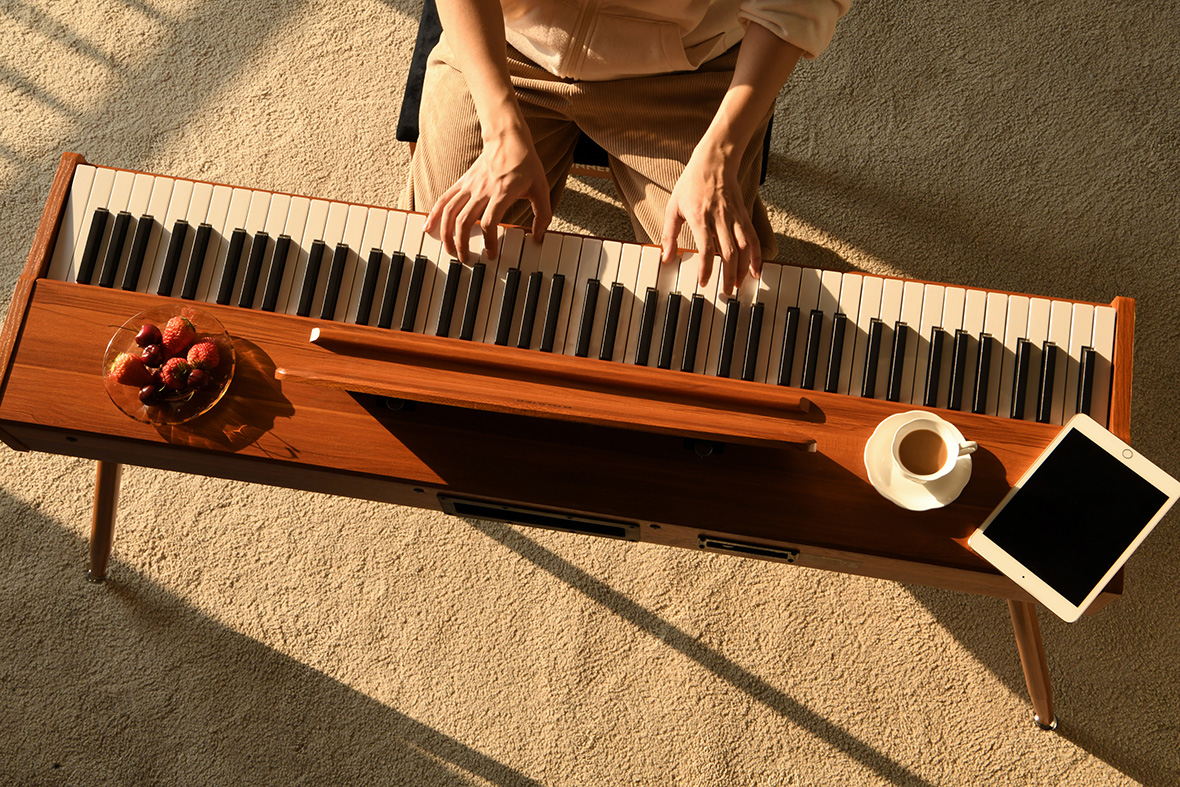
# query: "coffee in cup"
927 448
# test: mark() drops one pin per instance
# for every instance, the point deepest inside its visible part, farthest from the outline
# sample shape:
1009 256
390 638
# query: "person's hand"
708 199
507 170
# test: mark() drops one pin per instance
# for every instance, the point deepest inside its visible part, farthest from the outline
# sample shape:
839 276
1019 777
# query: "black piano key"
253 270
815 324
274 279
647 324
552 312
1089 361
1020 378
172 258
1045 392
98 229
958 369
335 279
696 311
868 384
233 259
414 292
450 294
733 310
610 326
790 337
901 334
586 323
196 261
392 283
934 366
528 316
668 340
983 365
364 306
836 354
110 265
507 305
753 338
471 308
143 233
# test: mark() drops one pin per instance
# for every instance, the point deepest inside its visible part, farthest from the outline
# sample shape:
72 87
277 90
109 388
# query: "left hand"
708 198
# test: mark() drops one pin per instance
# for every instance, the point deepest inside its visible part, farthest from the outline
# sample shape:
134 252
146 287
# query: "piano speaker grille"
764 551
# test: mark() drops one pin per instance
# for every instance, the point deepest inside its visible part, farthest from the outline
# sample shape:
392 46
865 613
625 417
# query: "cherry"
153 355
148 334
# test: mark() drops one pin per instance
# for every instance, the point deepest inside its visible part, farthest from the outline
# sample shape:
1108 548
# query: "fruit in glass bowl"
168 365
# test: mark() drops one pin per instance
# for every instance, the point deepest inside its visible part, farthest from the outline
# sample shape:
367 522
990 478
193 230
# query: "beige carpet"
257 636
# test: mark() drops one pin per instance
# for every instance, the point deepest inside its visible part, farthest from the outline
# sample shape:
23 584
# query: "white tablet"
1075 517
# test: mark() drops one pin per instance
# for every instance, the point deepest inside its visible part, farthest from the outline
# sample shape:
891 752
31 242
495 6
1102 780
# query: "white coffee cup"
927 447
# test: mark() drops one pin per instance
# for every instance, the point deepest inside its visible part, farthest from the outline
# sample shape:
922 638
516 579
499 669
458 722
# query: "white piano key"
353 238
475 249
411 247
1038 331
313 230
810 284
913 293
70 235
648 276
974 313
577 277
709 316
1015 329
746 294
99 197
891 299
487 303
787 295
994 322
531 254
954 301
195 215
1103 343
869 310
1081 334
137 205
511 248
933 304
161 199
296 225
117 202
768 286
182 192
628 276
829 302
667 279
608 272
573 291
1060 315
432 282
850 291
215 217
372 237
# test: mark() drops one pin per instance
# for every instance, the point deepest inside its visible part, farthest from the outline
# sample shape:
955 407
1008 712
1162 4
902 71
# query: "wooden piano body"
497 432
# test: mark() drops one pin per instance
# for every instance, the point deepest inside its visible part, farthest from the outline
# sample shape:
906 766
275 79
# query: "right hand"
507 170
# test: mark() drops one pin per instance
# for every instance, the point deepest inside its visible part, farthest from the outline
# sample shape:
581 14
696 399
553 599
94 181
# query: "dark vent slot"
752 550
518 515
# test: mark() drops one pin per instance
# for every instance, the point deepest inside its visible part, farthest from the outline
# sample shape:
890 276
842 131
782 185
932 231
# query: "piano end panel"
1119 422
38 261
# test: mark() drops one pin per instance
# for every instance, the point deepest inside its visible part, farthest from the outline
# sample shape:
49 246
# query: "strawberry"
178 335
129 369
174 374
203 355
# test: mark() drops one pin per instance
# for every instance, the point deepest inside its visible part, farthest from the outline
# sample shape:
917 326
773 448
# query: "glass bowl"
172 406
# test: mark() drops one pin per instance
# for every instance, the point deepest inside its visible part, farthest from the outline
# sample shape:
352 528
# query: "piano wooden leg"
102 527
1032 659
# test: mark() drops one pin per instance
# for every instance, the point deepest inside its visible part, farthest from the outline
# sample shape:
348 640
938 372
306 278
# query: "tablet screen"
1075 516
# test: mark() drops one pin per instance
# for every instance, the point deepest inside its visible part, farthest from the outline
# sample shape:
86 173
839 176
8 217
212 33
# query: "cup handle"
967 447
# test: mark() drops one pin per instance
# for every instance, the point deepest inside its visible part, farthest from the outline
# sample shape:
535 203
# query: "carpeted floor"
258 636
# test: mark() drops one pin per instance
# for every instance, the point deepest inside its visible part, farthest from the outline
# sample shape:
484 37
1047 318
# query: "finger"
704 243
749 262
468 217
542 211
450 215
673 221
435 215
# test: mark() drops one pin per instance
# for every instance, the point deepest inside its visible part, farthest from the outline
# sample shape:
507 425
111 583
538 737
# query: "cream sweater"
613 39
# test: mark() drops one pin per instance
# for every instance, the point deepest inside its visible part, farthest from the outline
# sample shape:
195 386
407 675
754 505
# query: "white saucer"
900 490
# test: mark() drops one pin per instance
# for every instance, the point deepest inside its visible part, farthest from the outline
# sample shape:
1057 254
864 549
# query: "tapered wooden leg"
1032 659
102 527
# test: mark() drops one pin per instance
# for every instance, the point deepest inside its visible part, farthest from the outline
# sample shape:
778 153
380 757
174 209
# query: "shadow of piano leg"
248 410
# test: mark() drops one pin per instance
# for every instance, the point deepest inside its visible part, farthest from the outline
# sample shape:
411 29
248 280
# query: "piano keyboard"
904 341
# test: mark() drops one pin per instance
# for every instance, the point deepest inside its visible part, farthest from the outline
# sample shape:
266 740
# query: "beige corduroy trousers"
648 126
